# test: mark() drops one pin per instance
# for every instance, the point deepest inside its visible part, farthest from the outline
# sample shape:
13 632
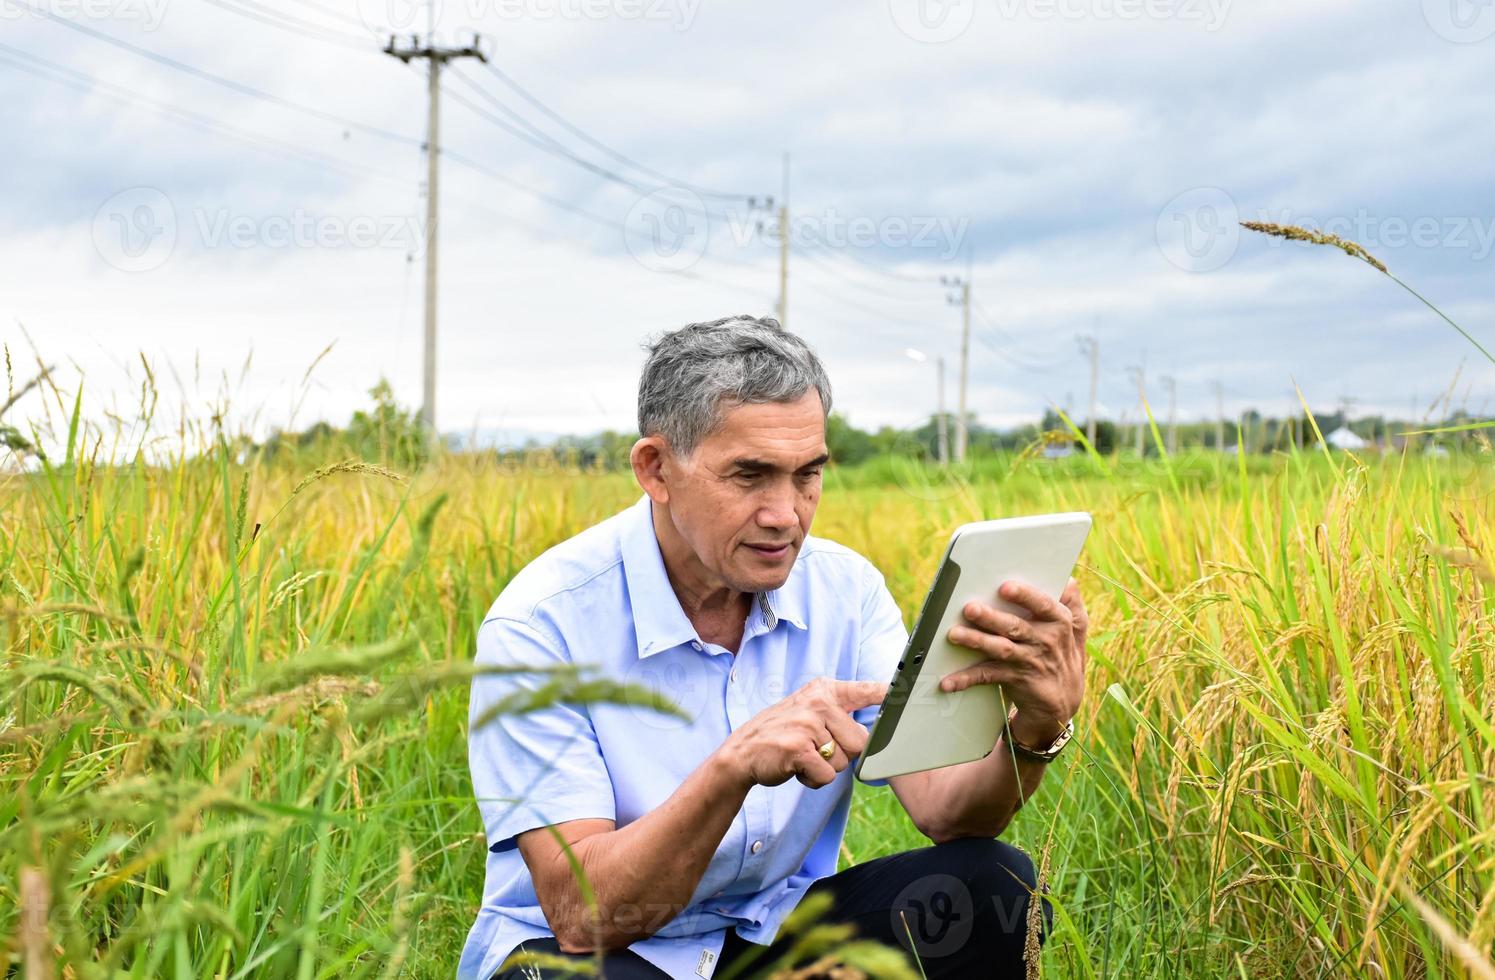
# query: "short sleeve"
883 637
532 768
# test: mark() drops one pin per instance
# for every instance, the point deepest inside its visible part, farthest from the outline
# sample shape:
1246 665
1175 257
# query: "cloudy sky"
210 183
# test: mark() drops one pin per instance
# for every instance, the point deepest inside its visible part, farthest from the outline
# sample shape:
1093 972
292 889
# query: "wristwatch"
1032 754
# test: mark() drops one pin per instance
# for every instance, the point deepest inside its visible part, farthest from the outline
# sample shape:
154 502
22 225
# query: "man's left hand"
1038 660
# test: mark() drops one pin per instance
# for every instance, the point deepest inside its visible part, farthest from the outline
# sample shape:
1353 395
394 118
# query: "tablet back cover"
920 726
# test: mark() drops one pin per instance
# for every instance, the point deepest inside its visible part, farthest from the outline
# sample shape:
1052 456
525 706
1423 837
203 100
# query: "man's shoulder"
582 561
822 556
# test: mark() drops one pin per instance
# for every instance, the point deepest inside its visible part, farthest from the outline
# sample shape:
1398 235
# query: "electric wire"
598 144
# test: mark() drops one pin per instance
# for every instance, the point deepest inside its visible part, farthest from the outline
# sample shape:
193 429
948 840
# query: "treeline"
391 433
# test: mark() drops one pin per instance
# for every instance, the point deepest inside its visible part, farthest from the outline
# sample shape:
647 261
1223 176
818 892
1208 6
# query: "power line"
228 83
333 12
598 144
823 264
253 10
547 144
924 280
88 85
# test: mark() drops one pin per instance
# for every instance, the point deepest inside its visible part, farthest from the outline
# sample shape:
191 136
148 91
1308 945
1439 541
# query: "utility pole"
1091 348
784 250
435 57
1171 383
1219 387
943 422
962 298
1139 375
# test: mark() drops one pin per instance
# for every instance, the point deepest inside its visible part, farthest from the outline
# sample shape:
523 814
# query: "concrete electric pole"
962 298
1171 383
1139 375
435 57
1091 348
943 421
1219 387
784 250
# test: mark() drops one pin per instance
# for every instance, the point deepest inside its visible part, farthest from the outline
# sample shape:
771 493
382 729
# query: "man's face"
745 498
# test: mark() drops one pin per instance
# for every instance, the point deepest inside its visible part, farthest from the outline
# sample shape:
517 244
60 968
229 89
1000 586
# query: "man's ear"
652 467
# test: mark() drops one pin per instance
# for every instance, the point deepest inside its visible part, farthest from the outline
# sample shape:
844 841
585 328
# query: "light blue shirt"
602 598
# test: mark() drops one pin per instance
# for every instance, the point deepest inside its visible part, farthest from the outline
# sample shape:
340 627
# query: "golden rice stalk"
347 466
1033 964
336 662
36 903
1476 961
1296 234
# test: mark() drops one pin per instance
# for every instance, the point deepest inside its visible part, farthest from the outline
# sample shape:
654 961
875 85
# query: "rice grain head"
1295 233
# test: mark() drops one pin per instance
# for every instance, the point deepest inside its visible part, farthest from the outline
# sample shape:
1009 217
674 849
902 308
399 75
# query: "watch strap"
1044 754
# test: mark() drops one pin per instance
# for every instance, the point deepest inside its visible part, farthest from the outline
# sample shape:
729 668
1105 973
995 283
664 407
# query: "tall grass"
232 740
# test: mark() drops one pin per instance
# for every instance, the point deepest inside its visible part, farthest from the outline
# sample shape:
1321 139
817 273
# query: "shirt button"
733 674
696 644
757 846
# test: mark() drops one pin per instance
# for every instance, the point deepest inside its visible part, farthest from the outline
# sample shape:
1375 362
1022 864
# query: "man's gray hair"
695 373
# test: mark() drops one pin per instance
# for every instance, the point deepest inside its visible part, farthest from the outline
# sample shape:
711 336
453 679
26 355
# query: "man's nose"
778 511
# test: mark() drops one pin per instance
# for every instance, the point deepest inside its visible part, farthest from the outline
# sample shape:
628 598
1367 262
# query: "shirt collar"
659 623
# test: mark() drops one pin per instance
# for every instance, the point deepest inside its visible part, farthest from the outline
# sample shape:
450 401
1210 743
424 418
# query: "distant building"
1343 438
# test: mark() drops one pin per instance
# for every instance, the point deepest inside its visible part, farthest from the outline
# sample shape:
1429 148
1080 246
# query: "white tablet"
920 726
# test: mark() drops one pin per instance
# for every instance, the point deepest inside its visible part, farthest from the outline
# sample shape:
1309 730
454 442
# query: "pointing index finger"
852 695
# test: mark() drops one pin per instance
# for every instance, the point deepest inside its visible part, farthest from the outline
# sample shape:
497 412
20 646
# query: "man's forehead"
788 434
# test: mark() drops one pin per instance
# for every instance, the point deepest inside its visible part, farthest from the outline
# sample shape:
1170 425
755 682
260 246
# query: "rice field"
232 741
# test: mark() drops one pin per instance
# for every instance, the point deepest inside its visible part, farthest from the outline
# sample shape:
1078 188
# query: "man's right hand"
784 740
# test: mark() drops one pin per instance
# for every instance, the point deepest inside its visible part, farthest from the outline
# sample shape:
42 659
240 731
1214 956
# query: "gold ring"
828 749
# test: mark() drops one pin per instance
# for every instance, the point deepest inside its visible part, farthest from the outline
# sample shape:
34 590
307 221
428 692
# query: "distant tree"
387 433
848 445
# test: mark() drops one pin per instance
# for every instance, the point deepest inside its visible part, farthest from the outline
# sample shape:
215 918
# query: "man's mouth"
771 550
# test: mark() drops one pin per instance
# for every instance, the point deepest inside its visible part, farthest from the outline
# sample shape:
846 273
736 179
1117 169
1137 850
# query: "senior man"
696 836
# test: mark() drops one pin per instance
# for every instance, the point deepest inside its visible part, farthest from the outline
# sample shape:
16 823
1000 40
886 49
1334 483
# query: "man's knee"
1001 882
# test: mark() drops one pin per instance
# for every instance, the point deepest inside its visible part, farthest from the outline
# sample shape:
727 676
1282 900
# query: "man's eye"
809 474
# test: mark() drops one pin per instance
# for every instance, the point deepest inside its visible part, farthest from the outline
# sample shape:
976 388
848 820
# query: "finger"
1036 601
999 623
1076 604
814 771
993 647
851 737
851 695
982 673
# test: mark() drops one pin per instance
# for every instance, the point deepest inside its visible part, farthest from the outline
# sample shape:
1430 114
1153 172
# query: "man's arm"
1040 665
644 874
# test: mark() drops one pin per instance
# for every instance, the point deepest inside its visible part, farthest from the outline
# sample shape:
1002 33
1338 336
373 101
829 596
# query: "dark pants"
962 907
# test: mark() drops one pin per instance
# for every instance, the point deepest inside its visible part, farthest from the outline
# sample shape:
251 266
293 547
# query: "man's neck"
717 611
